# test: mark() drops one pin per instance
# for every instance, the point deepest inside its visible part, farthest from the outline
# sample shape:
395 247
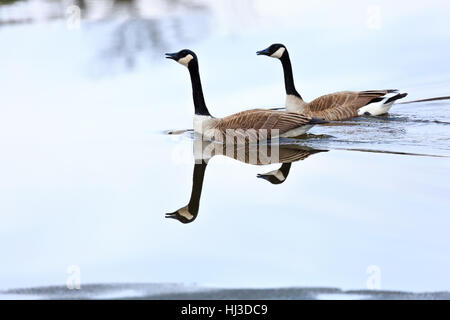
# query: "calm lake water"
88 172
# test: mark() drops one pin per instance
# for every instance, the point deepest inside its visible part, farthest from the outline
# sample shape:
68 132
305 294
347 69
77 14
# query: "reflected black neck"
285 168
288 76
197 91
197 185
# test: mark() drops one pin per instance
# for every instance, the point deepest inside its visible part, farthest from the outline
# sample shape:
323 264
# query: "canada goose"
284 124
247 153
335 106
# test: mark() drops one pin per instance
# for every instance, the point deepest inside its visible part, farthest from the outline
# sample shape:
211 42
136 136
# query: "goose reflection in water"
252 154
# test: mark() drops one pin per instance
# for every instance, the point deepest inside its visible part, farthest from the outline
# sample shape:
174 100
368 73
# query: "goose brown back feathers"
258 119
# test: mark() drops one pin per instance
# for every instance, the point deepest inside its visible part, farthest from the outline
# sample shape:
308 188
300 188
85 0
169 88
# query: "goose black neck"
288 76
197 185
197 91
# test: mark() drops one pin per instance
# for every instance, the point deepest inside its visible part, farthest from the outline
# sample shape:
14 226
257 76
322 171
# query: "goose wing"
258 119
344 104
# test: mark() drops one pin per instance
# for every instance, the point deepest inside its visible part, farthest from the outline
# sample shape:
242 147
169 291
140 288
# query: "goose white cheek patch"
185 61
278 53
185 213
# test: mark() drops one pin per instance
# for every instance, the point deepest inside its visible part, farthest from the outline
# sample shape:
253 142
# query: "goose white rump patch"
377 108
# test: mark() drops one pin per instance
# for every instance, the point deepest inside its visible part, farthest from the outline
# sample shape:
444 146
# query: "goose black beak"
264 52
171 215
173 56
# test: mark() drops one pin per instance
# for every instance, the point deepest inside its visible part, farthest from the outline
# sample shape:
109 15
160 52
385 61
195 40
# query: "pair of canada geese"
299 118
300 115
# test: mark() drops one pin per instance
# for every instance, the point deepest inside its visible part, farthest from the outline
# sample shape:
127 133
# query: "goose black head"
184 57
183 215
276 50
